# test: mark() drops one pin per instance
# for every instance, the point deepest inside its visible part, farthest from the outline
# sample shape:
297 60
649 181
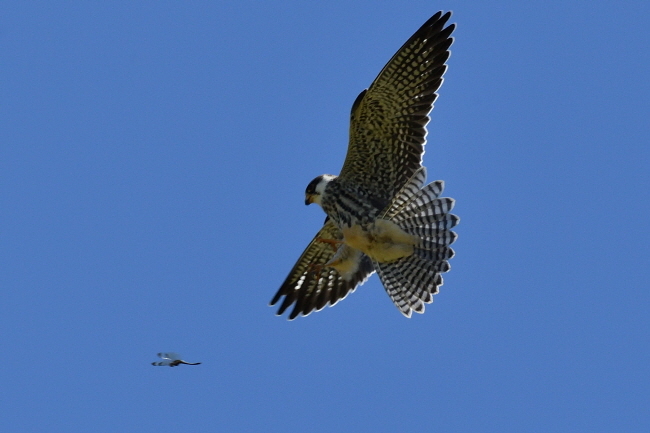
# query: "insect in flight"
171 359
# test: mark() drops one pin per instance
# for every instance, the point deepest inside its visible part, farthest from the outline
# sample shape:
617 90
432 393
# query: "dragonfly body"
171 359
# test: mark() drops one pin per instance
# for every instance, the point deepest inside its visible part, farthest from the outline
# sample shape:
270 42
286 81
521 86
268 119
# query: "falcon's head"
316 188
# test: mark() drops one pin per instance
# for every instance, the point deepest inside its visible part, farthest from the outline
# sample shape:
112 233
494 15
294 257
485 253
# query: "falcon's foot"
314 268
334 243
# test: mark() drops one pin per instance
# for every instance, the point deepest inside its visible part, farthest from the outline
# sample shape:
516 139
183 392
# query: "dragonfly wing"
170 355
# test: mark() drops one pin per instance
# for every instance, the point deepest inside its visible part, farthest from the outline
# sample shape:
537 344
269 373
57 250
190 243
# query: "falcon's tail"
411 281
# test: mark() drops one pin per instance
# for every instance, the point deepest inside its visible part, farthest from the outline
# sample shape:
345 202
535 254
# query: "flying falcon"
380 215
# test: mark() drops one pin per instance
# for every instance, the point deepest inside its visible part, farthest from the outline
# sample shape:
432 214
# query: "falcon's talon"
314 268
334 243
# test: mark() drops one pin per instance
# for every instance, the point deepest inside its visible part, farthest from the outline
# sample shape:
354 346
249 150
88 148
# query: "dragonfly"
171 359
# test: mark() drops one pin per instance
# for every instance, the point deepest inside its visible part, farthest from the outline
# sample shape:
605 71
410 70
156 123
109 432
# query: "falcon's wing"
388 120
311 288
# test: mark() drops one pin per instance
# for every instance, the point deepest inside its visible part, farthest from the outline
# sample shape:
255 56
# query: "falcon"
381 217
171 359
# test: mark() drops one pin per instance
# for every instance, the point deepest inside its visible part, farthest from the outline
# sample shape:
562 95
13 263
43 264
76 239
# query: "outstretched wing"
311 286
388 120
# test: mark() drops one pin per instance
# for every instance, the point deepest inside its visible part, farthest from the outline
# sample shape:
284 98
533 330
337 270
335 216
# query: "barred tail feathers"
412 281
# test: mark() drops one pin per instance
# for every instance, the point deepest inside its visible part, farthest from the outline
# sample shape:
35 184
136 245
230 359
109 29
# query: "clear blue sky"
153 159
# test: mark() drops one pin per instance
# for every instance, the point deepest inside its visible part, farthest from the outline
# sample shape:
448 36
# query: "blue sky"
153 160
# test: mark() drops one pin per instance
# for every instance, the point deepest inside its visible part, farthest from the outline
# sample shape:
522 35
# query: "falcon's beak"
308 199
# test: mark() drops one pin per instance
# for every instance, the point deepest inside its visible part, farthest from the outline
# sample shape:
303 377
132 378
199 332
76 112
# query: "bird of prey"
380 214
171 359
